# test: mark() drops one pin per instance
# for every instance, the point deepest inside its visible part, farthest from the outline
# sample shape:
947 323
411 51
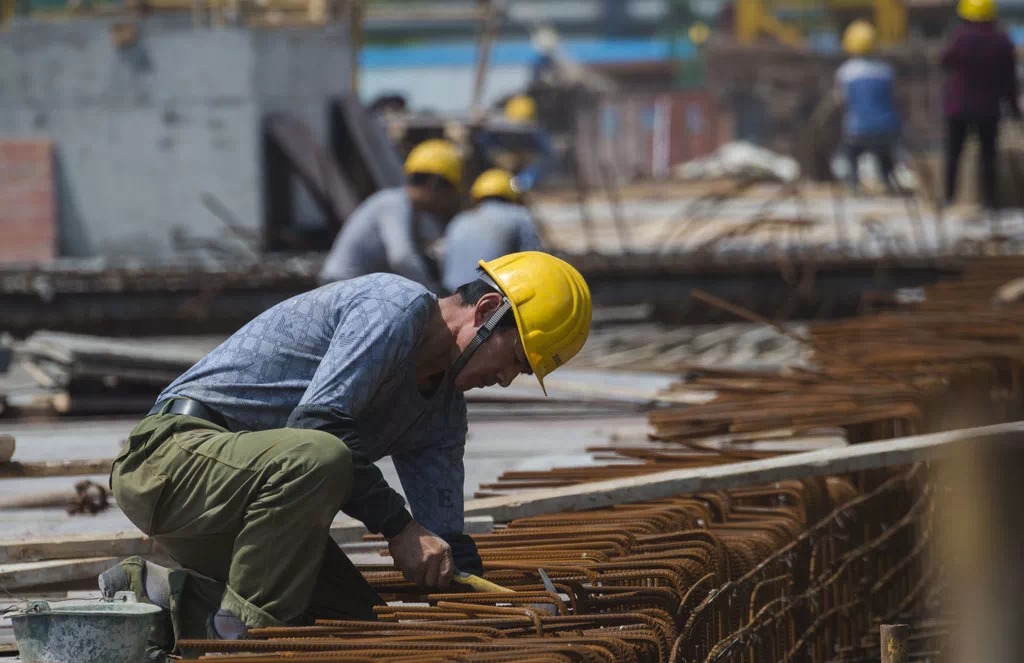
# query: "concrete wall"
142 130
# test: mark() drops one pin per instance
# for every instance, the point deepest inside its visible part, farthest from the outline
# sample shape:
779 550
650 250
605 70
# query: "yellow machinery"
755 18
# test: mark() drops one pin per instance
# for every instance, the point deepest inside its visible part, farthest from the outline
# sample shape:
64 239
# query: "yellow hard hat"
521 108
979 11
494 183
551 303
859 38
699 33
436 157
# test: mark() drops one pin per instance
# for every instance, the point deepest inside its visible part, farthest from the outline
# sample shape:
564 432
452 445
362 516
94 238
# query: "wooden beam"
56 468
112 544
53 572
6 447
126 544
825 462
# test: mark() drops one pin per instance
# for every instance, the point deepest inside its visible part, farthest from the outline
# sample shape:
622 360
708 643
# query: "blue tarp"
521 52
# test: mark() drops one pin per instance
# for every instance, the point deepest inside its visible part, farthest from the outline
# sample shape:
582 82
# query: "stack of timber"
89 374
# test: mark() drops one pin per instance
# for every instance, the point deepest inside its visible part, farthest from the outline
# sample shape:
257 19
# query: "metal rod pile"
704 576
799 570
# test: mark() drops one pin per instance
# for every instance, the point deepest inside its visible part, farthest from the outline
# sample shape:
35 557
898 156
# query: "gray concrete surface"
141 130
494 446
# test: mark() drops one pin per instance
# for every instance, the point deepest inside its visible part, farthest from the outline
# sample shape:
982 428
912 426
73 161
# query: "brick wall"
28 201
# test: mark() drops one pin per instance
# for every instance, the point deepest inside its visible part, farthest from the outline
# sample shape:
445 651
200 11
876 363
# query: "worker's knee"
331 454
322 462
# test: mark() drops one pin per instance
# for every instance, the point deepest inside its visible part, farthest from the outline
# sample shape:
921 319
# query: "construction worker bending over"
871 122
526 150
981 72
393 230
244 461
498 224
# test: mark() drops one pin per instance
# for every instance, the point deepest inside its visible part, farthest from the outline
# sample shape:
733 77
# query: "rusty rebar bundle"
798 570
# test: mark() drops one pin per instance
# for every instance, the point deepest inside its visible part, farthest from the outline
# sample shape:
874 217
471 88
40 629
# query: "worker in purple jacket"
980 68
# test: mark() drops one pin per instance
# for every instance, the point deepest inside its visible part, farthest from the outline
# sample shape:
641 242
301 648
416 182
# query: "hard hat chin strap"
482 335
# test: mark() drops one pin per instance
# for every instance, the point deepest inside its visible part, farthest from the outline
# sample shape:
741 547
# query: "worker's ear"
485 307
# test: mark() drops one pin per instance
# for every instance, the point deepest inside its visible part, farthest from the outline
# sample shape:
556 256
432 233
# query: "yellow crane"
755 18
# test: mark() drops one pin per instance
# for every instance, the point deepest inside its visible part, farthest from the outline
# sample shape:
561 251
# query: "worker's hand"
423 558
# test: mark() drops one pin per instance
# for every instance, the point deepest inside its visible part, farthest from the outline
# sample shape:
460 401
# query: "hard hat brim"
519 325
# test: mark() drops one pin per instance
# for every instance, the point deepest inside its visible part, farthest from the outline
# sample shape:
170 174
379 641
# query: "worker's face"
501 357
435 195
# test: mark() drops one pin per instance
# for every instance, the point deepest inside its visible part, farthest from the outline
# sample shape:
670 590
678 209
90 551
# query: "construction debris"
86 497
740 160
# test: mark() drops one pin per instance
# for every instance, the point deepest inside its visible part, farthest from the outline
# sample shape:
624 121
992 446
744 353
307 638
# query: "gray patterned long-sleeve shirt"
385 234
342 358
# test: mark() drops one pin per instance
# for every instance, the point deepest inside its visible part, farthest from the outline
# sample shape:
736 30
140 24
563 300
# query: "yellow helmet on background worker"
551 303
494 183
699 33
978 11
859 38
436 157
521 108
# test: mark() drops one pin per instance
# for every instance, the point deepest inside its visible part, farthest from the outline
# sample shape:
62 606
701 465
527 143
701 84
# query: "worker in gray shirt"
394 229
244 461
497 225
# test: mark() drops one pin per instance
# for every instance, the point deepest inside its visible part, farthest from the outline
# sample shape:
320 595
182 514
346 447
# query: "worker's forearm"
373 502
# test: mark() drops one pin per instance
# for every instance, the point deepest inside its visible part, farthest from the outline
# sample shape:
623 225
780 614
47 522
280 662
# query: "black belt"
189 408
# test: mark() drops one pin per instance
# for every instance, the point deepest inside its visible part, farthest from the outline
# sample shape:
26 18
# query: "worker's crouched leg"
286 527
247 515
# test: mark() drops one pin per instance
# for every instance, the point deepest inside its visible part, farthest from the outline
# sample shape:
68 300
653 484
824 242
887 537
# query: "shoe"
129 575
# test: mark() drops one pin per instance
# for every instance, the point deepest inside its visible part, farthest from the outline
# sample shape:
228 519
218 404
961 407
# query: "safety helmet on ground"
978 11
521 108
551 304
436 157
859 38
494 183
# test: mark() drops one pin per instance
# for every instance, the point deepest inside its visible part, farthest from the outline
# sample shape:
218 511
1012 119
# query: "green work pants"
248 516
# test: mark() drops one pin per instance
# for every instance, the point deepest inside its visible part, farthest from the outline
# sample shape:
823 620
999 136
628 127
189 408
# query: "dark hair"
470 293
431 182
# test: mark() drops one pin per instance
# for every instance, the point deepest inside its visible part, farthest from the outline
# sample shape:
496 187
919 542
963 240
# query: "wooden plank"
56 468
660 485
52 572
125 544
114 544
7 445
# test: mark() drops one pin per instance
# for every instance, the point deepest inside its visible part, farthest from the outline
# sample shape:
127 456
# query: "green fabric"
248 516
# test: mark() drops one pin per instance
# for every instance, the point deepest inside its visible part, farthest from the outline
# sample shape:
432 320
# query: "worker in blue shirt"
524 148
498 224
244 461
865 87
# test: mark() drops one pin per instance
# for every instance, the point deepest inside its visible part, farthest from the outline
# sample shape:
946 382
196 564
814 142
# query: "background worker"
498 224
245 460
981 72
527 153
871 122
394 229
